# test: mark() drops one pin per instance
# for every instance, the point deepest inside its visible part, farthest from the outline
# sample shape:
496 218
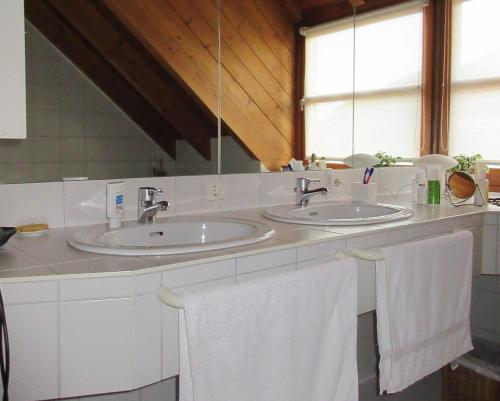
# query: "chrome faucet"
304 193
147 206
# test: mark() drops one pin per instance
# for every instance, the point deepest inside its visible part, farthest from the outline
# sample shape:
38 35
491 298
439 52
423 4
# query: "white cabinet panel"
148 358
33 350
96 350
12 70
489 254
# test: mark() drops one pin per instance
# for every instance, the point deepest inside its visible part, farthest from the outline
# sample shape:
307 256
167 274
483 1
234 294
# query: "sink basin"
173 236
338 214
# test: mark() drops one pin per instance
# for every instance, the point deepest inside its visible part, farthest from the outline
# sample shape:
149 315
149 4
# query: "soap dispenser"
115 192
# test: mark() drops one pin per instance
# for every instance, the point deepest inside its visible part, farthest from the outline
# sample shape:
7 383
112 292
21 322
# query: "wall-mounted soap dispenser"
115 192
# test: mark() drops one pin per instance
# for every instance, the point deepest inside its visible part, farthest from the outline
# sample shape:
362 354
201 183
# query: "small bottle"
434 186
114 203
419 194
483 183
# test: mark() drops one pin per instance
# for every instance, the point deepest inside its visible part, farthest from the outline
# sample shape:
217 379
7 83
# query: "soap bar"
33 227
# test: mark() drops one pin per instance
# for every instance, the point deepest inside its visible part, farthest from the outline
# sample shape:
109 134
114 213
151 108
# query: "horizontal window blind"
381 62
475 79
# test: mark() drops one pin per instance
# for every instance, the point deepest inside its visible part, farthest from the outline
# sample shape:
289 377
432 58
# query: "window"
475 79
385 71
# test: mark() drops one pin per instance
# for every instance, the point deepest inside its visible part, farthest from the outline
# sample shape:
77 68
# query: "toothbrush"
368 175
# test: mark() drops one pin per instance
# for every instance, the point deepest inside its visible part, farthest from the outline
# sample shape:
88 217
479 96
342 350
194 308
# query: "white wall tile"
192 194
339 184
99 335
85 202
34 203
241 191
33 341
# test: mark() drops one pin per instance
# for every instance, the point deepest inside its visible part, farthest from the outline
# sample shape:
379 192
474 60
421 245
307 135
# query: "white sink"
173 236
338 214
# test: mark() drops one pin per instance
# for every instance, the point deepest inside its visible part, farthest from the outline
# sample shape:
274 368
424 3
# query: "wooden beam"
64 37
341 9
113 42
293 8
356 3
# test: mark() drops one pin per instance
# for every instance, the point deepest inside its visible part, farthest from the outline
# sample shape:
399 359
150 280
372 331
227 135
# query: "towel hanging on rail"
423 307
286 337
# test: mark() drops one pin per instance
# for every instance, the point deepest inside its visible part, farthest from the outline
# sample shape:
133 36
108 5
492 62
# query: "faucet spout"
149 212
304 193
147 206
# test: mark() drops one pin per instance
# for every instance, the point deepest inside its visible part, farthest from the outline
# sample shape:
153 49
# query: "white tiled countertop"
50 256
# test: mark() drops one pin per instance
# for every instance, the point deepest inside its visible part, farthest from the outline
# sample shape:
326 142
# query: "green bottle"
434 186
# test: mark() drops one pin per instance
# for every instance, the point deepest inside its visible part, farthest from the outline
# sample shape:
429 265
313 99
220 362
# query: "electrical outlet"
215 191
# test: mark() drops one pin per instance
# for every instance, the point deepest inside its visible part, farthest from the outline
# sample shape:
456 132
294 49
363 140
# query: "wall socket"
215 191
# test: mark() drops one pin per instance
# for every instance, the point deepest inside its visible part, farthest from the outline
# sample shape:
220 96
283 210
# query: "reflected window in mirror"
475 79
363 84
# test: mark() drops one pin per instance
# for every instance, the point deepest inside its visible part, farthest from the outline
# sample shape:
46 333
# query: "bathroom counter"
50 256
73 314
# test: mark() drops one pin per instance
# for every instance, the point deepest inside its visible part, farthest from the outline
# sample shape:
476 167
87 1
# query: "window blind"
475 79
380 62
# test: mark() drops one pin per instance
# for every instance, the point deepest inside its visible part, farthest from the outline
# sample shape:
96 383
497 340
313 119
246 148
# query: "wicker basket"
463 384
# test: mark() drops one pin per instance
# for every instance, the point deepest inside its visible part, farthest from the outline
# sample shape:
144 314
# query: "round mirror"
462 185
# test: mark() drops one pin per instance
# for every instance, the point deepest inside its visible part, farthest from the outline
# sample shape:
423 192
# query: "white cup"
364 193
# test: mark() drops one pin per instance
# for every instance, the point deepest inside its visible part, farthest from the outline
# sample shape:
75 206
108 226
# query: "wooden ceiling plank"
43 17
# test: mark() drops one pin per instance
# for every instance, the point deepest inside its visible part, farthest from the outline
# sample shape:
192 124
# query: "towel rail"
170 298
176 300
370 254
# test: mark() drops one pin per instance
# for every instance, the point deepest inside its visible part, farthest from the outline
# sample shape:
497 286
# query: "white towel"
423 306
287 337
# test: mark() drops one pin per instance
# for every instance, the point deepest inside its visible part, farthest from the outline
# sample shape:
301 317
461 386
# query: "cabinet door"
12 70
33 351
96 346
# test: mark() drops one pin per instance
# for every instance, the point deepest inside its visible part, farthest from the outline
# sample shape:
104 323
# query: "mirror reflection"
118 89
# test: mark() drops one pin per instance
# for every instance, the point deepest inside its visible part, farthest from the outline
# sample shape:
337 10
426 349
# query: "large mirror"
323 79
118 89
285 73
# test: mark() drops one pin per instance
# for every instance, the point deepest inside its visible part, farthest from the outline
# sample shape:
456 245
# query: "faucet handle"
303 183
149 193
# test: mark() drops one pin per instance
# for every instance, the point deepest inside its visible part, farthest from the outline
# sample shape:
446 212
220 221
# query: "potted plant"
466 163
386 160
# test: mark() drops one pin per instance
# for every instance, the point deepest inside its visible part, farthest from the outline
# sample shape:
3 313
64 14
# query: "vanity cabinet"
12 70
